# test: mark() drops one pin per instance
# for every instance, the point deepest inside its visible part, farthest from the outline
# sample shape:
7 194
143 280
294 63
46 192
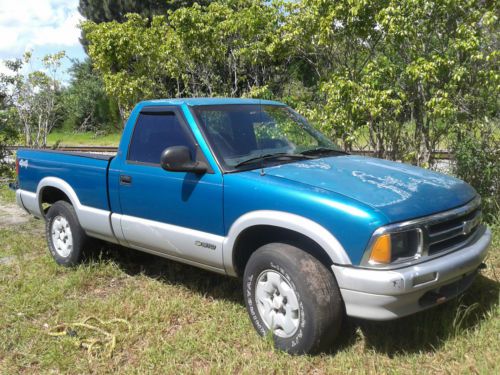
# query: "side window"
153 133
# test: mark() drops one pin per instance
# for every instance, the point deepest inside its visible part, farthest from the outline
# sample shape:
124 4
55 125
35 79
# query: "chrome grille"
452 232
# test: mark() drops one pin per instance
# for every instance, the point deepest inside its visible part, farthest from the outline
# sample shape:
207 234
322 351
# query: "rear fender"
94 221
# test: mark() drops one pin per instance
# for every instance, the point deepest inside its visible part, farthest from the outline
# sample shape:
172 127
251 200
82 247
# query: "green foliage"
477 154
36 96
396 76
403 72
8 127
87 107
115 10
8 136
221 49
129 58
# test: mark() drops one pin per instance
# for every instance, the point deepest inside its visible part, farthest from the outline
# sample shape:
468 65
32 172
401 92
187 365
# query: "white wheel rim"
277 303
62 238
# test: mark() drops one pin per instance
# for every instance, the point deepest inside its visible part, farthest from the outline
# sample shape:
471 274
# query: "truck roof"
207 101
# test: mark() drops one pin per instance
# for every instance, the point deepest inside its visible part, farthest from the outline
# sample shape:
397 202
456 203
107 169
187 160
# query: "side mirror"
178 159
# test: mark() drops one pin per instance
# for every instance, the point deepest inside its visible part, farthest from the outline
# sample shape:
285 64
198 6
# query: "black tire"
320 304
79 239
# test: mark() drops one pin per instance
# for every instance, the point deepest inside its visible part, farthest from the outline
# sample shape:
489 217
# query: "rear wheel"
65 237
290 293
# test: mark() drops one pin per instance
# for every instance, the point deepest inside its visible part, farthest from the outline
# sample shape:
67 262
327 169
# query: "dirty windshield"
251 135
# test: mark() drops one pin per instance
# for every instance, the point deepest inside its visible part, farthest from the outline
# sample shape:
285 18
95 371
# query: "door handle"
125 180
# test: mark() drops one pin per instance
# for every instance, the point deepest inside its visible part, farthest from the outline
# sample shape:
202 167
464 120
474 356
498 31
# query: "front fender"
285 220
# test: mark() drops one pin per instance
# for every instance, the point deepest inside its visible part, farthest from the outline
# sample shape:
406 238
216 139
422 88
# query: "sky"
42 26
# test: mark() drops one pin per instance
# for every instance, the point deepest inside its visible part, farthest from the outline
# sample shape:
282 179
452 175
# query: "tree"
99 11
116 10
8 130
130 59
35 96
404 73
446 64
224 48
86 104
395 76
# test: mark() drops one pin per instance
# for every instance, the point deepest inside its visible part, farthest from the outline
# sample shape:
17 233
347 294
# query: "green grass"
6 195
185 320
83 139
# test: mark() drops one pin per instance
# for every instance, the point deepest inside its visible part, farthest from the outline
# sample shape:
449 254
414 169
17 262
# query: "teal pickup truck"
249 189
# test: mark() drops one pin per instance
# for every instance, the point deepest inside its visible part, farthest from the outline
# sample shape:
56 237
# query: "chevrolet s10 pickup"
249 189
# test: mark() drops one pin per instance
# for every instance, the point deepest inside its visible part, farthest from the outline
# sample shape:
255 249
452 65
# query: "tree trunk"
419 126
27 134
427 148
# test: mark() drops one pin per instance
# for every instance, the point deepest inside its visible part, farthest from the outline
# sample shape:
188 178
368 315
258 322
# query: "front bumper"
391 294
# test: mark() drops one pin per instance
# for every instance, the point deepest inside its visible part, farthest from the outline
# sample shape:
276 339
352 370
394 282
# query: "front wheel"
290 293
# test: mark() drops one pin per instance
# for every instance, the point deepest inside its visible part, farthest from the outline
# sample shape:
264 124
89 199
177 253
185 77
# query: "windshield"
249 134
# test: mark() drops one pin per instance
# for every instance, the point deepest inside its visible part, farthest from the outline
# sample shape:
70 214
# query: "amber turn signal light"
381 250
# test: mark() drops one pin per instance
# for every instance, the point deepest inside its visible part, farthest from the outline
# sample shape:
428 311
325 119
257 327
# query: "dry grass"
185 320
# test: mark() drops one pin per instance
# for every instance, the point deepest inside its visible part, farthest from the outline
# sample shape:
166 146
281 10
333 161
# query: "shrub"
477 161
8 136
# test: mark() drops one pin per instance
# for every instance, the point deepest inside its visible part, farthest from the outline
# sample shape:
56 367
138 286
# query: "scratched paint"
402 189
399 190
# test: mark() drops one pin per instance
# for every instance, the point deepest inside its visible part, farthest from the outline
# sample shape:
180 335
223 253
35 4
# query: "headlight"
394 247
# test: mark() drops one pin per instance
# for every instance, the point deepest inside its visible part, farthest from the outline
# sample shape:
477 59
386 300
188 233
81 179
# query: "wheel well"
254 237
50 195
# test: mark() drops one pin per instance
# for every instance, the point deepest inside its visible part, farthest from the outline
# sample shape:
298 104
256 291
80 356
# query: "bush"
477 161
8 136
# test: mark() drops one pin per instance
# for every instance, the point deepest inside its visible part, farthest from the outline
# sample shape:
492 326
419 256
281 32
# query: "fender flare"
94 221
300 224
58 183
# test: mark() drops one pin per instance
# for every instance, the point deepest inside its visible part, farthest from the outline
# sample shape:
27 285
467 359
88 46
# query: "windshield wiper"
323 150
272 156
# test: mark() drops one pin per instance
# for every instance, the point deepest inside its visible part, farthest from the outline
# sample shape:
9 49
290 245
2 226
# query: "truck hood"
399 191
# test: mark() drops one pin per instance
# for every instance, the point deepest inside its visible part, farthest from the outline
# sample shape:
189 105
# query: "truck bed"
85 172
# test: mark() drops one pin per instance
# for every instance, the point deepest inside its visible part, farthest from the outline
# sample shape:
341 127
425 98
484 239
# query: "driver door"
177 214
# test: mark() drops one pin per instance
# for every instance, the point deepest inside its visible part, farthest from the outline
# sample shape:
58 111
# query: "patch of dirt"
99 288
12 215
8 260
